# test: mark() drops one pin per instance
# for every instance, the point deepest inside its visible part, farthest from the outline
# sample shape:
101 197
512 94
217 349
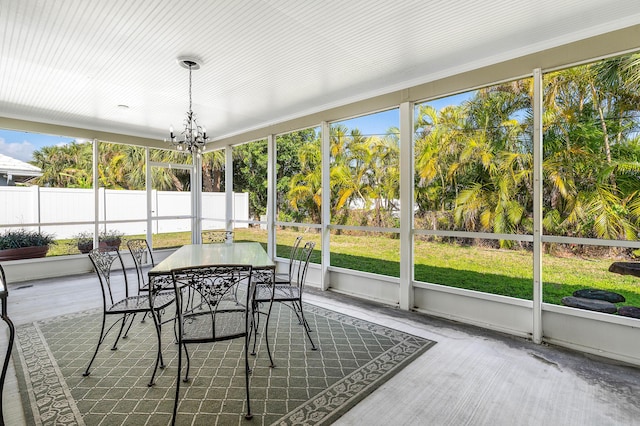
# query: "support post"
325 203
406 206
537 206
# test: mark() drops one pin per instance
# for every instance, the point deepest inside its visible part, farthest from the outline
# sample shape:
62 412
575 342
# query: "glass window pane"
213 190
474 266
171 207
374 252
54 172
571 267
298 176
286 236
591 150
474 161
365 171
250 179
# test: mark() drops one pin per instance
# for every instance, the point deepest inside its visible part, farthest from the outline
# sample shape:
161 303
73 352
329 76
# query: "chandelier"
194 137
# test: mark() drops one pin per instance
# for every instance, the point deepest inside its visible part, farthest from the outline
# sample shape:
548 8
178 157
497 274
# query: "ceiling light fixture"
194 137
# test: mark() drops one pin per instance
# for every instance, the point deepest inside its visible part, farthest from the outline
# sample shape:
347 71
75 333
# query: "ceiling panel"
72 62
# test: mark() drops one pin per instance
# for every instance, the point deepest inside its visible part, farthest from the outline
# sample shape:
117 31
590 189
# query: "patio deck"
471 376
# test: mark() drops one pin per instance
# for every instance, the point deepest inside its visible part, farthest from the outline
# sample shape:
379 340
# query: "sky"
20 145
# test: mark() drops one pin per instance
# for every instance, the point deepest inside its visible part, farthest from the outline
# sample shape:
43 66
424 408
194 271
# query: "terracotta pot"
85 247
24 253
113 244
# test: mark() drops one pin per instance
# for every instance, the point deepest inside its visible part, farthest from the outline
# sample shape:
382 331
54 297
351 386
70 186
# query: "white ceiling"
72 62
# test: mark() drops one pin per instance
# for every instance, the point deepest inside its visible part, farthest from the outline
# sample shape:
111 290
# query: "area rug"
306 387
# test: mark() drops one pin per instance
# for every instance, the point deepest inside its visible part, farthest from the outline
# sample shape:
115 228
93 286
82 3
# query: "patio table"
245 253
193 255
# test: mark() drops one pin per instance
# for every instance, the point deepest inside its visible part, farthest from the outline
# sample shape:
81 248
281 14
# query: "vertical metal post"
537 206
325 203
196 197
149 188
228 184
406 206
271 195
96 194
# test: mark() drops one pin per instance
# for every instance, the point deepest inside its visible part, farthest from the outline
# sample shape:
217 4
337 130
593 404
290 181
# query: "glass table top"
214 254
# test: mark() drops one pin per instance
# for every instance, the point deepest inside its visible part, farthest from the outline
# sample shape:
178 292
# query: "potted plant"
85 241
24 244
111 238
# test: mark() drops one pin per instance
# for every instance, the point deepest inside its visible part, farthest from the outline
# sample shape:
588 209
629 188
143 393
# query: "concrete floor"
470 377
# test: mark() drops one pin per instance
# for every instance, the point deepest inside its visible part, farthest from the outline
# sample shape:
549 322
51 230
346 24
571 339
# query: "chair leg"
255 324
247 416
305 324
266 334
159 361
186 375
122 326
126 333
100 340
175 402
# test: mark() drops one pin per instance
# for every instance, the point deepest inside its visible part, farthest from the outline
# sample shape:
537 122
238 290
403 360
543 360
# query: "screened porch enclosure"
412 216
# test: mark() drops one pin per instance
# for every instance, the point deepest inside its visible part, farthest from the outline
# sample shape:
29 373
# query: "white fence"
56 206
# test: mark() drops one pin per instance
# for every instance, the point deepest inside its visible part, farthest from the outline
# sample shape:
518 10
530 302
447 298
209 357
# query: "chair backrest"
217 236
293 255
212 290
103 260
142 255
301 263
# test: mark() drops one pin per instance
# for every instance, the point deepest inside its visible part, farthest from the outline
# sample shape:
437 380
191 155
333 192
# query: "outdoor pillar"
96 195
228 191
196 199
537 206
148 183
325 203
271 195
406 206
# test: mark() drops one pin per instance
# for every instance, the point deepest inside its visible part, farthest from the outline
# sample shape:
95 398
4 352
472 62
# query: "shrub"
24 238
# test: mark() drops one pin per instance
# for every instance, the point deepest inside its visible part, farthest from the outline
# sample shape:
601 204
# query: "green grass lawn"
503 272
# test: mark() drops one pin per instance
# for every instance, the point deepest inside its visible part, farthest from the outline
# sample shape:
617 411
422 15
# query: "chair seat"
282 293
199 327
141 303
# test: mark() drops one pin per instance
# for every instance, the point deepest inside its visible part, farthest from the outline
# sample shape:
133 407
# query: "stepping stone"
591 293
629 311
590 304
625 268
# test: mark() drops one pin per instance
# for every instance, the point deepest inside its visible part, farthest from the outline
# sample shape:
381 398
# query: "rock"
629 311
590 304
625 268
591 293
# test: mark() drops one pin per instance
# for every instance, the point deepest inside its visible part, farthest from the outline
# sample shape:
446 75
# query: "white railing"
66 211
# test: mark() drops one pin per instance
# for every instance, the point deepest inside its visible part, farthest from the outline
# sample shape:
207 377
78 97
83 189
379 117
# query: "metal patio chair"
289 293
217 236
112 276
207 312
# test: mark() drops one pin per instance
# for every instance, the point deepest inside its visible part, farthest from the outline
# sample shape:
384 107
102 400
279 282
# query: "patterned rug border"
47 399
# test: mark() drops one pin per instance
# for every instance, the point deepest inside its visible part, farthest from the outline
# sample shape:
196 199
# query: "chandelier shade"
193 137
